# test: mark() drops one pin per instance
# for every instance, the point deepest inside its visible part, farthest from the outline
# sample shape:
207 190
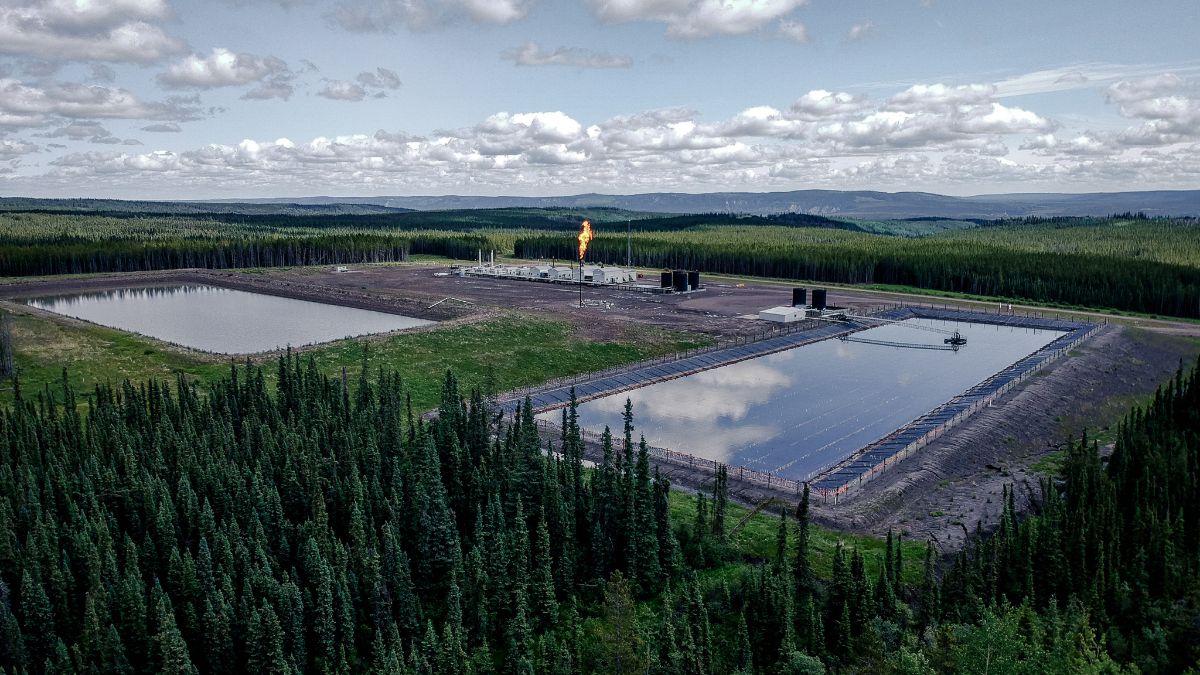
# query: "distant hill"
862 204
850 204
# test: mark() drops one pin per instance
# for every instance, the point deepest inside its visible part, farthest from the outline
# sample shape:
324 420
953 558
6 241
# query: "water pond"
798 411
222 320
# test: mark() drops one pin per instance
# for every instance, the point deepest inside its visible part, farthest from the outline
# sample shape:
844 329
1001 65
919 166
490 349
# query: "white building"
784 314
608 275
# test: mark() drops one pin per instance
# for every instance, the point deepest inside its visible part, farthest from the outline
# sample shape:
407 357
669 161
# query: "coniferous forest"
321 525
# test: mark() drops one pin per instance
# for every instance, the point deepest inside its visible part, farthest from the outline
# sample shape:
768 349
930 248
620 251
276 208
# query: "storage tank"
666 280
820 301
799 297
679 278
693 280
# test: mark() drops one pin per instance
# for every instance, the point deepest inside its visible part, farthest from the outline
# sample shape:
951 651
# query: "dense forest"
42 244
1152 268
321 526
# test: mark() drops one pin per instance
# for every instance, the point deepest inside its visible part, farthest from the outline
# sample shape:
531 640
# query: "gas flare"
585 236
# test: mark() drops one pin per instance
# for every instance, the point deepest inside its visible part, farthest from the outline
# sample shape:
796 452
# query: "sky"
198 99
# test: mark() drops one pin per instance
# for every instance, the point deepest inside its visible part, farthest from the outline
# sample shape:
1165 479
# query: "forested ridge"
324 527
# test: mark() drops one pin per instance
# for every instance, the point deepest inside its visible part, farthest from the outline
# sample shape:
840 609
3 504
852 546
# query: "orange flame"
585 236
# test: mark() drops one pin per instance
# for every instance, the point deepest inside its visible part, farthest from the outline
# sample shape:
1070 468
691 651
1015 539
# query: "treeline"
125 255
131 256
958 265
326 528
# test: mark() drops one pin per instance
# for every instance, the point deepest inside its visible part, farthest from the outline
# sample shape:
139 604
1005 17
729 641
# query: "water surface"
222 320
797 411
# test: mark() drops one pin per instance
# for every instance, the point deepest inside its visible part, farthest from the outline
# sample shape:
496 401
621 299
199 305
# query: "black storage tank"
693 280
799 297
680 280
819 298
666 280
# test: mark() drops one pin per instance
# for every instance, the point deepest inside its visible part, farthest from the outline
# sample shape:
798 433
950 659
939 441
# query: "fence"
517 395
683 459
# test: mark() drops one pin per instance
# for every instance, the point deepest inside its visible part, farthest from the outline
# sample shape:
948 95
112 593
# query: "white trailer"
784 314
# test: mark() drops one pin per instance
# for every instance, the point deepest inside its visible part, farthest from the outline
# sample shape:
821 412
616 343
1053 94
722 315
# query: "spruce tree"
781 542
720 502
171 654
37 620
645 563
929 610
545 605
619 639
12 643
802 575
438 548
264 643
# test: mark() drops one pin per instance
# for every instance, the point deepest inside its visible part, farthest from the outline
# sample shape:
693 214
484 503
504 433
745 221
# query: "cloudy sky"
254 98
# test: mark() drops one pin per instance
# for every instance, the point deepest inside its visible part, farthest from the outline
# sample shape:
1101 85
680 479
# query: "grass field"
756 541
521 351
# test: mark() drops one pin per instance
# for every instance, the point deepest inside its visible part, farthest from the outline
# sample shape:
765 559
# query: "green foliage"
313 524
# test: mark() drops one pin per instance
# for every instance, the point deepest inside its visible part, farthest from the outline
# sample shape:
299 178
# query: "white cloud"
79 30
375 84
1135 91
80 131
861 31
382 78
794 31
820 103
938 96
286 4
1168 104
1000 119
1073 77
341 90
163 128
690 19
92 132
24 104
532 54
224 68
927 136
1080 76
384 16
1085 144
11 149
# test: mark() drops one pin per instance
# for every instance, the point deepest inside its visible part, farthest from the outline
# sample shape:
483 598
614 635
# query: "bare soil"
718 310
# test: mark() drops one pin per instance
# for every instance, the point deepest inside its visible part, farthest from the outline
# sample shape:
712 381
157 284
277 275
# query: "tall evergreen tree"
802 575
720 501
